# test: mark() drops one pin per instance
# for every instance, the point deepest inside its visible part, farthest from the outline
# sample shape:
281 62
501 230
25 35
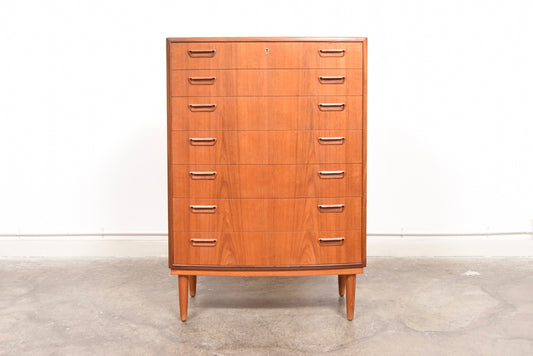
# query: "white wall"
83 108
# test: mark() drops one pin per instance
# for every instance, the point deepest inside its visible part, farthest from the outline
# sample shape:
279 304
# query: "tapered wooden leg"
192 285
350 295
342 284
183 286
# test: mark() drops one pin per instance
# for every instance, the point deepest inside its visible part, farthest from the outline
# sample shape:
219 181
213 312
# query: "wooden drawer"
267 248
267 82
267 113
261 215
266 147
256 55
267 181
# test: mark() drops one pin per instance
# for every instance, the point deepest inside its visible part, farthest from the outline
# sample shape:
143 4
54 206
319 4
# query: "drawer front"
256 55
267 82
267 113
267 249
266 147
267 181
261 215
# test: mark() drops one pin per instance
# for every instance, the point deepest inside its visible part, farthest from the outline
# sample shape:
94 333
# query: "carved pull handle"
202 53
202 80
203 175
202 107
331 79
204 242
334 208
331 106
331 140
331 174
331 52
207 141
331 241
203 209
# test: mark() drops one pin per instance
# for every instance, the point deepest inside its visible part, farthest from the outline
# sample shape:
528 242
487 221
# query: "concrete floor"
407 306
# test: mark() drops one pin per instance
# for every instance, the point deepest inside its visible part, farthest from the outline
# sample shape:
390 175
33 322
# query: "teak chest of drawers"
266 159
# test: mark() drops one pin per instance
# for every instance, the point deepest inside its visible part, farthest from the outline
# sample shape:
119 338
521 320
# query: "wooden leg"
342 284
350 295
192 285
183 286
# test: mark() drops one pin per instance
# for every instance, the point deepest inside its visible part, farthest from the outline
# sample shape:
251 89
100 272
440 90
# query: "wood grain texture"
341 279
274 82
258 99
364 134
192 285
238 55
277 93
265 39
267 113
169 162
268 249
267 147
183 283
267 181
263 215
249 271
350 295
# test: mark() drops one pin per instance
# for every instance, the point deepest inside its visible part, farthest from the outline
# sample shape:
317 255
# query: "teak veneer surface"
268 249
233 55
267 147
267 113
267 158
263 215
268 181
274 82
251 271
171 40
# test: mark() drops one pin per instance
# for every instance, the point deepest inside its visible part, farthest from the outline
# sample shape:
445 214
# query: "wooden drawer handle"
331 241
203 175
331 140
202 53
332 207
331 174
207 209
331 106
204 242
334 79
208 141
202 107
202 80
335 52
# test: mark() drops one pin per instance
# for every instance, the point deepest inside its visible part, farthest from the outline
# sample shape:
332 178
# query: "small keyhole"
266 50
